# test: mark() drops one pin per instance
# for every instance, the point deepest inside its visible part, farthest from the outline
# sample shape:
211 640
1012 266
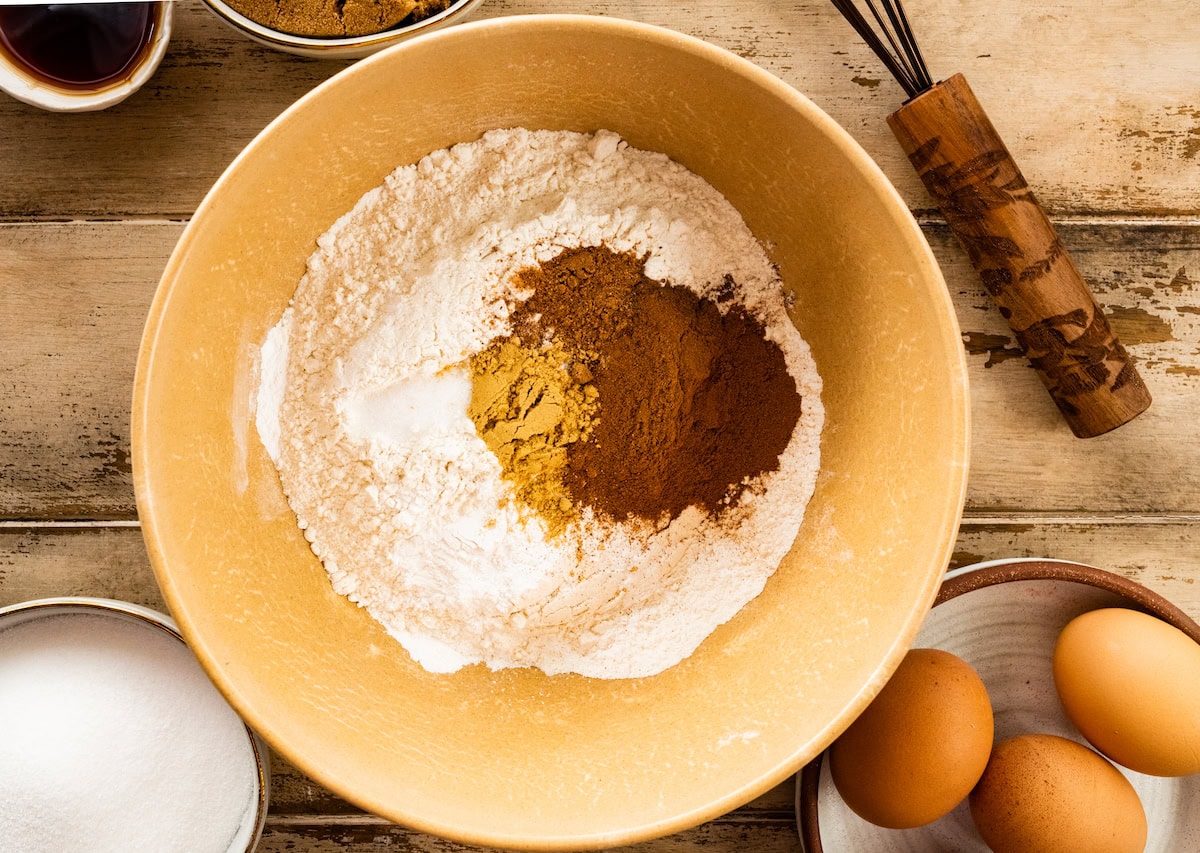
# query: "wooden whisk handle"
1022 262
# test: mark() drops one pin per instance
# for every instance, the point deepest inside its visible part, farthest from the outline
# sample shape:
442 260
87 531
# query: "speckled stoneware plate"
1003 618
516 758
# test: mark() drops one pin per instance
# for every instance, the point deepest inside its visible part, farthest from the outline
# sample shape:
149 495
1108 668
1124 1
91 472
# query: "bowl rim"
966 579
952 505
334 46
162 622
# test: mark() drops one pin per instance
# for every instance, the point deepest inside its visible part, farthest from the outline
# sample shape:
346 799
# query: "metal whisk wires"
893 42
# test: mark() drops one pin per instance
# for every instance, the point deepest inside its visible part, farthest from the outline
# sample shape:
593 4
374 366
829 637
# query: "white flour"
363 407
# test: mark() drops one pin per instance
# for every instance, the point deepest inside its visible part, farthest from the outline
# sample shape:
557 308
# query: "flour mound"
363 406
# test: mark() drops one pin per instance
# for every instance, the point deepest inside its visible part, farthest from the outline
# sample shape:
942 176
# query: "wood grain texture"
1101 110
73 299
106 559
72 303
1141 278
777 835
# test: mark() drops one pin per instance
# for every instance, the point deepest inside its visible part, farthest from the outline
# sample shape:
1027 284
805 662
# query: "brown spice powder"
693 402
335 18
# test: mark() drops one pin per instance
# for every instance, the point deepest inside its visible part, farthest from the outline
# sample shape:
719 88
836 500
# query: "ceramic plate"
1007 632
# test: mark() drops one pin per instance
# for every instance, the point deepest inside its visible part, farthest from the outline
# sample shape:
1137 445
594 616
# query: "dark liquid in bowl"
78 46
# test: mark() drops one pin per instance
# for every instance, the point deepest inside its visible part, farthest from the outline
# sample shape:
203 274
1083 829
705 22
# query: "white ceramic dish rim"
28 89
807 780
335 47
163 622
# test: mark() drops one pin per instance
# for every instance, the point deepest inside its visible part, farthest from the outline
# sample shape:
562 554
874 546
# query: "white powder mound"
112 739
364 394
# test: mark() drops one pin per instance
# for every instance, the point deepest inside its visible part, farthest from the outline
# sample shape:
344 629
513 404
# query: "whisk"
1010 241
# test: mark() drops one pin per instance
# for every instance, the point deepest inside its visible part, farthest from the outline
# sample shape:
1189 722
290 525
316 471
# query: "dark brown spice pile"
693 402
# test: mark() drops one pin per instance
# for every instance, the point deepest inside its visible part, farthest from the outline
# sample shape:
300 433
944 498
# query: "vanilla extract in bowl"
78 45
74 57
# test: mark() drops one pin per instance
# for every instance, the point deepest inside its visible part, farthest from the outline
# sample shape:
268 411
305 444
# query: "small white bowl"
343 47
17 81
242 838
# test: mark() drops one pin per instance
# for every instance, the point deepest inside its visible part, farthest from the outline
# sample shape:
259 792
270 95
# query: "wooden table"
1098 102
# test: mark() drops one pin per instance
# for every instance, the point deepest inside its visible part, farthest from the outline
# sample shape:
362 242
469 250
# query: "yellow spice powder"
529 404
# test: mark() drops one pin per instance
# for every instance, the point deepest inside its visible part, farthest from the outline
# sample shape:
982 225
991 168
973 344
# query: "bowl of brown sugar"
342 30
561 464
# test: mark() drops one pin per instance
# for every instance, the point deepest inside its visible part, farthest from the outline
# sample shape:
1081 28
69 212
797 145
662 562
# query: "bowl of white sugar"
113 739
532 428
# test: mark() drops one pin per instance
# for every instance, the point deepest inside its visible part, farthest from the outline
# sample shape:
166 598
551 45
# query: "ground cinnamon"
693 401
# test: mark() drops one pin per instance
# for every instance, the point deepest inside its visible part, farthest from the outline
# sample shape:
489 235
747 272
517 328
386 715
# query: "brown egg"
917 750
1131 684
1047 794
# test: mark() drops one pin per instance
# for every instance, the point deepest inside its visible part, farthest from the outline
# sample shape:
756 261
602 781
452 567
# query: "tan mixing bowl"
516 758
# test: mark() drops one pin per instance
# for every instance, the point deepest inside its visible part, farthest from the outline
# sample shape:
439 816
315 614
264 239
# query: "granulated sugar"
363 406
113 740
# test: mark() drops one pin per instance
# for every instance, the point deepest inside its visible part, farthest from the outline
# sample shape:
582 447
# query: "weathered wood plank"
770 836
73 300
156 153
1100 109
1162 553
105 562
1148 280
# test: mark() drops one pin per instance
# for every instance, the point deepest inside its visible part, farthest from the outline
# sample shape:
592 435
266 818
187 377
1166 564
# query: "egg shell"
1131 684
1046 794
919 747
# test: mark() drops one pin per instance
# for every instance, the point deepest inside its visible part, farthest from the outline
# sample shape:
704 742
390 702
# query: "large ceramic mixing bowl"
516 758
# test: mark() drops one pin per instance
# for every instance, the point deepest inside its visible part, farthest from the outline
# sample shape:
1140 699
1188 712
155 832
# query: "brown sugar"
335 18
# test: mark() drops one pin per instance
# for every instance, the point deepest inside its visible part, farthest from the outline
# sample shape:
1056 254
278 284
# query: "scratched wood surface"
1098 103
71 321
